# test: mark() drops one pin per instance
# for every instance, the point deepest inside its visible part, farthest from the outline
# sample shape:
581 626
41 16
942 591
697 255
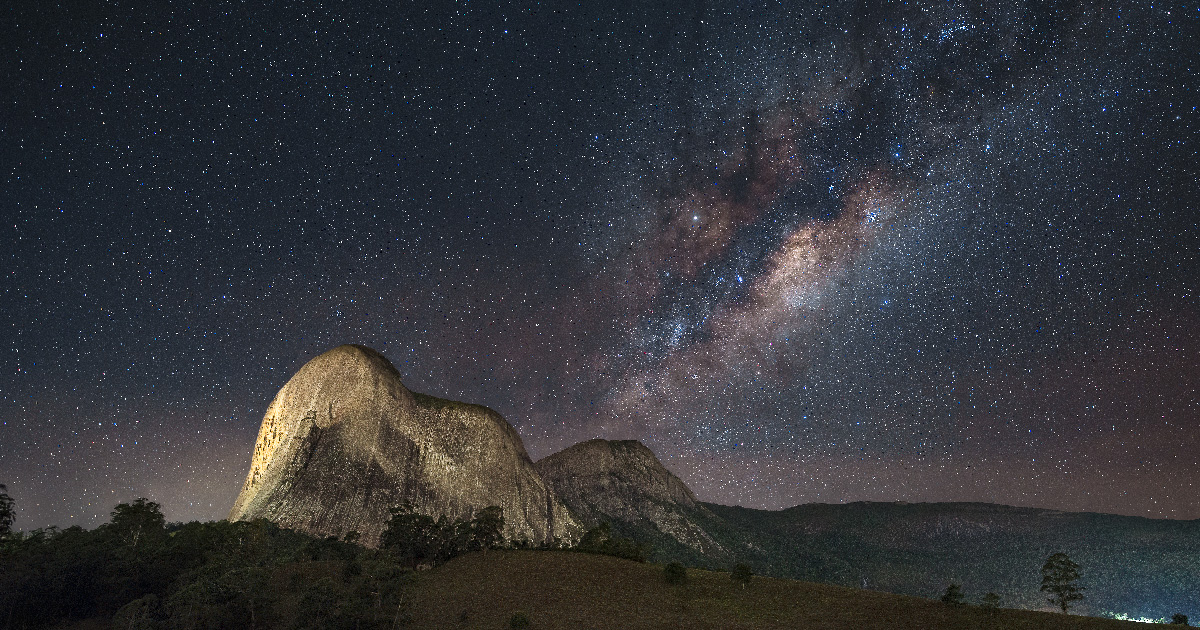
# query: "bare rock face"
344 441
603 480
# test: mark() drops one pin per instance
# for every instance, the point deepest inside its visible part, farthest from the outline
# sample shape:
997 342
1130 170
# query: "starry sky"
923 251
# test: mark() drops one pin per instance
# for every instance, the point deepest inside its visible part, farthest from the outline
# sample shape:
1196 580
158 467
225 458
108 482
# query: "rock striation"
344 440
623 481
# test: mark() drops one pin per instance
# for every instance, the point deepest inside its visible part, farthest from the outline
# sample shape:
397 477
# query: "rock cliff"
343 441
623 482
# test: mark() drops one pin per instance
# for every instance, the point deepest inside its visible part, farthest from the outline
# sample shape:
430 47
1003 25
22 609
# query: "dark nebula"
931 251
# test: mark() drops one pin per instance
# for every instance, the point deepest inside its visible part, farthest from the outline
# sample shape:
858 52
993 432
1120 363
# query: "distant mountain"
1131 565
343 441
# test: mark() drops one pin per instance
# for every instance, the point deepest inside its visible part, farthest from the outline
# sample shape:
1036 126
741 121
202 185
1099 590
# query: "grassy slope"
571 590
1138 566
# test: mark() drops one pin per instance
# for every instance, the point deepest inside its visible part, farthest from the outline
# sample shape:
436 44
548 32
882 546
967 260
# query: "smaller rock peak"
628 463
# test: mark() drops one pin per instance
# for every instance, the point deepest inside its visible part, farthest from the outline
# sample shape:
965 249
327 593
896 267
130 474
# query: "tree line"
145 573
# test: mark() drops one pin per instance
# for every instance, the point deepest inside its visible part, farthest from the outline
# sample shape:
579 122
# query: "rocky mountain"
623 483
343 441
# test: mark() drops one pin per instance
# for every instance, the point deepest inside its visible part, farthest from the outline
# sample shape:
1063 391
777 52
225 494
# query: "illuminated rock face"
604 480
344 441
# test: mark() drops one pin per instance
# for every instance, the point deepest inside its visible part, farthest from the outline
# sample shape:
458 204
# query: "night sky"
922 251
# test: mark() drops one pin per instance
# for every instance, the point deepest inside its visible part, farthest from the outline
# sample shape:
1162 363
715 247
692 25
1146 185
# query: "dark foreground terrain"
138 572
558 589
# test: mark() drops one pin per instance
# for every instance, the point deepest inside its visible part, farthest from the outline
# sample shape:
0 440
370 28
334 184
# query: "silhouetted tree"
138 522
411 536
8 512
595 538
741 574
953 595
675 573
1179 619
991 601
600 539
1059 578
486 530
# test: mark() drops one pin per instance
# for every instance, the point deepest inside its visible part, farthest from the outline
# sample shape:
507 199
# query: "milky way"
923 252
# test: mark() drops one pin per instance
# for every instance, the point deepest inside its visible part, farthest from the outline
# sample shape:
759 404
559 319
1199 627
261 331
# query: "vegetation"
417 539
143 573
1179 619
953 595
675 573
7 512
601 540
139 572
990 601
741 574
1060 577
138 524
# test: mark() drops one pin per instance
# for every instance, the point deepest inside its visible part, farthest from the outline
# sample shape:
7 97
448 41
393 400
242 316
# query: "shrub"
601 540
741 574
519 621
138 614
953 595
675 573
1179 618
991 601
418 539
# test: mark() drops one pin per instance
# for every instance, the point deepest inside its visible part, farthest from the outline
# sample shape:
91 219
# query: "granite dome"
344 440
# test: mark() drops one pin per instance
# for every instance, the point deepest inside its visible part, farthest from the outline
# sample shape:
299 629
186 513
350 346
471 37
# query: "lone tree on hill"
1179 619
1059 577
953 595
675 573
991 601
741 574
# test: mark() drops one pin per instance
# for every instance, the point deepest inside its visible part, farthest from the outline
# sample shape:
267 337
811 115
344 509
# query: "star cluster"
924 252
